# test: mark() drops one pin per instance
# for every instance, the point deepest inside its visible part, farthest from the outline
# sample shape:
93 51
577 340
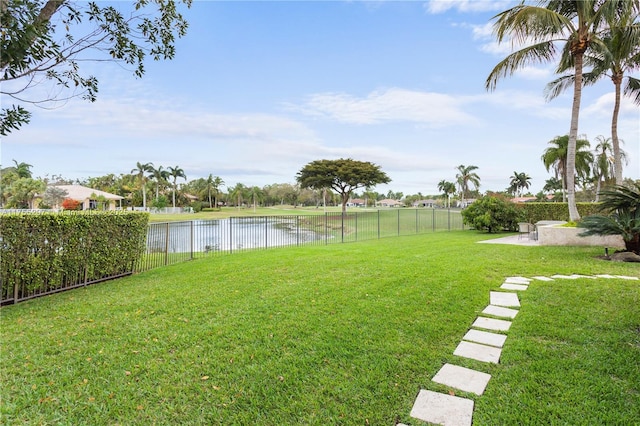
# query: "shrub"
49 251
160 202
622 203
69 204
535 212
491 214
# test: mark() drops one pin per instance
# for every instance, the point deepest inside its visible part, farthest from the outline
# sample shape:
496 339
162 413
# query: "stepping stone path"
482 345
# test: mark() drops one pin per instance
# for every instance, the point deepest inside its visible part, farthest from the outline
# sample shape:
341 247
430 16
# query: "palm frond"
632 89
537 53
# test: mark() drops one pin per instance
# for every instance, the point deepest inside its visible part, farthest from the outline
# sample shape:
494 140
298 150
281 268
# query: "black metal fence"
174 242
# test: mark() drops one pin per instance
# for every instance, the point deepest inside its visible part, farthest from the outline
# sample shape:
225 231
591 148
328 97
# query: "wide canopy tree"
343 176
46 40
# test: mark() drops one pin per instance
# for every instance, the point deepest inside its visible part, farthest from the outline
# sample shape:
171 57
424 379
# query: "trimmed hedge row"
46 252
535 212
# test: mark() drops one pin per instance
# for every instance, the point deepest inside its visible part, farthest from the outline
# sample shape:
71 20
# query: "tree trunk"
345 198
617 159
574 216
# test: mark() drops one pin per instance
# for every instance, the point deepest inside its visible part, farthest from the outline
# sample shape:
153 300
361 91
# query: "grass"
342 334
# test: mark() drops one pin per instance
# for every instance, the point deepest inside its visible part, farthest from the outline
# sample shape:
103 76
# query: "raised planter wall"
551 235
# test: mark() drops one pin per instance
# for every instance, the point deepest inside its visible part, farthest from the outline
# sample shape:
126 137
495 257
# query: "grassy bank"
226 212
342 334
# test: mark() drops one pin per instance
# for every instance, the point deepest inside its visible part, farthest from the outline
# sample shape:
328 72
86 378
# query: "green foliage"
623 205
316 335
42 41
160 202
342 175
44 252
535 212
491 214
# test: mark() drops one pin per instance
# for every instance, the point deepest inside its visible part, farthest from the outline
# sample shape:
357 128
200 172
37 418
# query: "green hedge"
535 212
46 252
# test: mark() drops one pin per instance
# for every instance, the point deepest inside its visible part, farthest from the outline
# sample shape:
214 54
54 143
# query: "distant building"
355 202
389 203
425 203
90 198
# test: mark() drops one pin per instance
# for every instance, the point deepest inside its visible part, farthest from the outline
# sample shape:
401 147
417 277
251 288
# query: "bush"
622 206
160 202
69 204
50 251
535 212
491 214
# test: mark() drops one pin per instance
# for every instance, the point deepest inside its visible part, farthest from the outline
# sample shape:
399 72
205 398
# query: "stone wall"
551 235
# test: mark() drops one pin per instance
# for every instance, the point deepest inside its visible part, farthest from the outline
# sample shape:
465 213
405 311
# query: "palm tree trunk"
617 165
573 137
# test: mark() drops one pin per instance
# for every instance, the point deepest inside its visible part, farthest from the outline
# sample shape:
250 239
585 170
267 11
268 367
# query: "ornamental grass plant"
325 335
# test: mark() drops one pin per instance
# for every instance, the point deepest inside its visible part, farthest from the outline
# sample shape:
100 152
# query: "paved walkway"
513 239
482 342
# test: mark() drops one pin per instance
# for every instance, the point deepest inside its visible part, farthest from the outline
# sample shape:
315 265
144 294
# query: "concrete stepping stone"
543 278
462 378
500 298
564 277
605 276
442 409
491 324
517 280
478 352
499 311
486 338
508 286
627 278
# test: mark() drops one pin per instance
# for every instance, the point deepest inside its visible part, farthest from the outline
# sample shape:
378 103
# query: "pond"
228 234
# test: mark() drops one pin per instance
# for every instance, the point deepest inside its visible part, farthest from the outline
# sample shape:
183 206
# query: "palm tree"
604 161
447 188
175 173
556 157
577 23
238 193
465 176
139 172
23 170
160 175
614 54
256 194
217 183
552 185
519 181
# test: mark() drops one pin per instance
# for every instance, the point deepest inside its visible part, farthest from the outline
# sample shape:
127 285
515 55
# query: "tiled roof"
81 193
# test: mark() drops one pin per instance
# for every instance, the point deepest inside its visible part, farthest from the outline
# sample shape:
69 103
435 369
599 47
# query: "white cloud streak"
390 105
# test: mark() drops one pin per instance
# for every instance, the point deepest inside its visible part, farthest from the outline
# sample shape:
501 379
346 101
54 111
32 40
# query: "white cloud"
390 105
152 120
441 6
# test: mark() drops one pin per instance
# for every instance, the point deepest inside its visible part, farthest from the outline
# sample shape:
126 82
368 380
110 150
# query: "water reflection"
227 234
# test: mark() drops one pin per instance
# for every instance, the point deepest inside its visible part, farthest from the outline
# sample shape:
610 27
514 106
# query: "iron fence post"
166 245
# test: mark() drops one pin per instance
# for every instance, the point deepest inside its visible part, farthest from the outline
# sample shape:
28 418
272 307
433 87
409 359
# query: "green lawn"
326 335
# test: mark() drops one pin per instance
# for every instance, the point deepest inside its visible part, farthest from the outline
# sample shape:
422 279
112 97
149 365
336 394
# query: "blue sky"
259 89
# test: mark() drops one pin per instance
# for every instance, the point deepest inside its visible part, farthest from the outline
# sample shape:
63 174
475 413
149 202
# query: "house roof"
389 202
81 193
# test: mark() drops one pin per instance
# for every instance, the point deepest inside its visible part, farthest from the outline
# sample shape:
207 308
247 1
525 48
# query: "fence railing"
174 242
